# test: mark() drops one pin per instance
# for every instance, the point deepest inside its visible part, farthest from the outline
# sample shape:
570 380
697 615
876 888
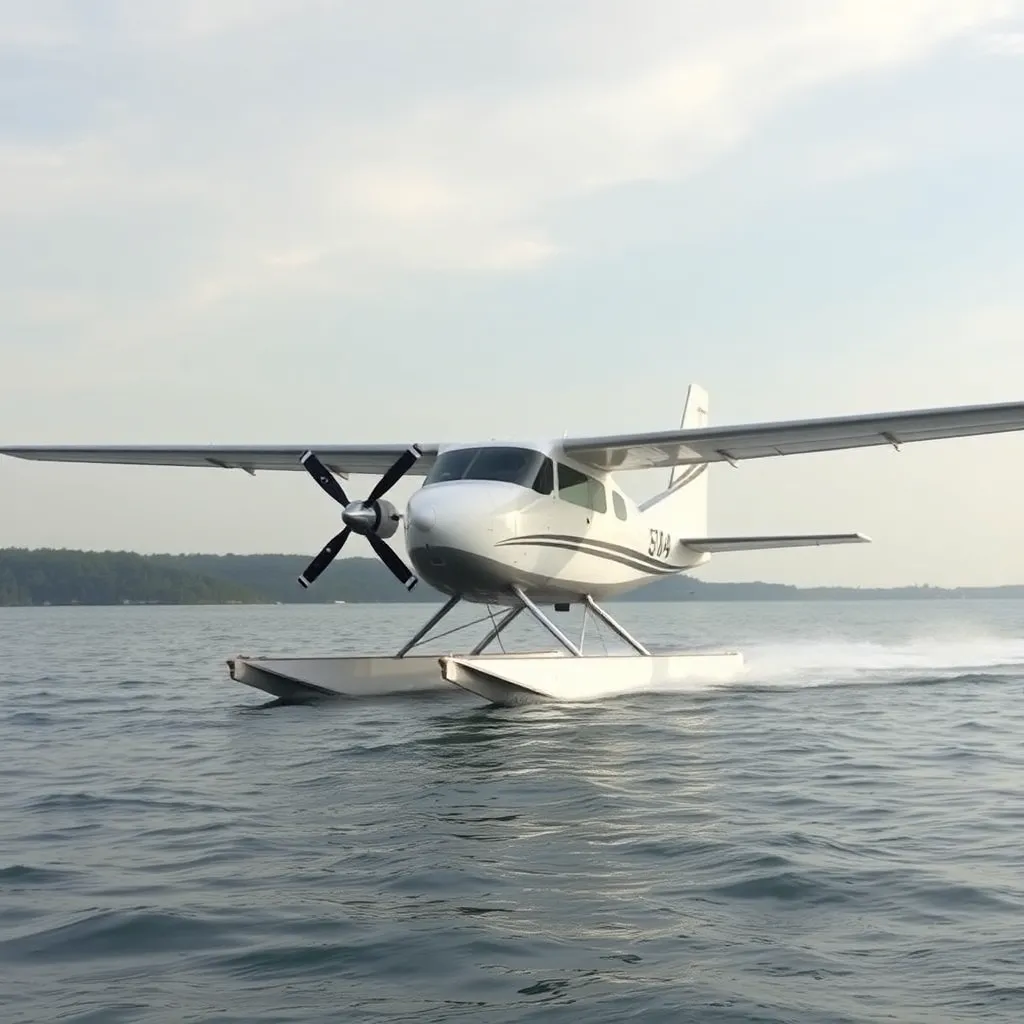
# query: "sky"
282 221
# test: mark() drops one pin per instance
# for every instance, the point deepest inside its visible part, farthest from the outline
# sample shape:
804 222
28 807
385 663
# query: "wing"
340 459
793 437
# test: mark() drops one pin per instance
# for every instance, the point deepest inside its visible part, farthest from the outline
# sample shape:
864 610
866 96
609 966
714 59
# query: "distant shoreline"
65 577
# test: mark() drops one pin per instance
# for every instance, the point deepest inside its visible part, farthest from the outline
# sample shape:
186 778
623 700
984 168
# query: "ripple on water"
128 934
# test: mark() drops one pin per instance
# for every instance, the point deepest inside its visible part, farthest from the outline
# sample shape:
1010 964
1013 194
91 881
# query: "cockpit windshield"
500 462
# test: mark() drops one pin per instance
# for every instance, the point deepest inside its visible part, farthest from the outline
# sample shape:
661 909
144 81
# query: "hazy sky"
284 221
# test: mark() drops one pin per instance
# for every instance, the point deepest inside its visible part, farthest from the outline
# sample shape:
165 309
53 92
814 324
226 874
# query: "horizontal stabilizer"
799 540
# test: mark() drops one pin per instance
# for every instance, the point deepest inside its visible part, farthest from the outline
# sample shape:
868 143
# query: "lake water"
836 838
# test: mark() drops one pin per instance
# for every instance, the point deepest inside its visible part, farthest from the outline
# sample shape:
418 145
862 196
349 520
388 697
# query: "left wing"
792 437
340 459
802 540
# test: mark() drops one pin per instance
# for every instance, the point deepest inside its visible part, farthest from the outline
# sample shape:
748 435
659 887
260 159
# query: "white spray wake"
827 663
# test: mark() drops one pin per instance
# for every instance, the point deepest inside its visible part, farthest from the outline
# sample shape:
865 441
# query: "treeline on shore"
67 577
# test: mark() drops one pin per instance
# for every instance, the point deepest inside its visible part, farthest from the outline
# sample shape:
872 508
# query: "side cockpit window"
619 505
580 489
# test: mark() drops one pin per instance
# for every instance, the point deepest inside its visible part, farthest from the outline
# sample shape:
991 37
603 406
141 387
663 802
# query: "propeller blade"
392 561
398 469
324 559
324 477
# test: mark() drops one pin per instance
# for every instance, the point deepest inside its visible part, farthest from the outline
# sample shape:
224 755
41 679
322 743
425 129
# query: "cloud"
272 123
227 157
1010 44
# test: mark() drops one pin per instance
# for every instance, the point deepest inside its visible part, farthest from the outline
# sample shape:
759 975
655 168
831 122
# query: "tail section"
695 415
684 504
685 498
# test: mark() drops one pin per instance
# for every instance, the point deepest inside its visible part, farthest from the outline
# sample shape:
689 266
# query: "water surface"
835 838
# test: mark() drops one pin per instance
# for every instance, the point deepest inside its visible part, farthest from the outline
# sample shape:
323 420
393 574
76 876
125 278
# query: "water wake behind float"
820 662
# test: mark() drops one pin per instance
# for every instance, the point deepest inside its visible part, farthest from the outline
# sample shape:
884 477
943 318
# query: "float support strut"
506 620
621 630
545 621
429 625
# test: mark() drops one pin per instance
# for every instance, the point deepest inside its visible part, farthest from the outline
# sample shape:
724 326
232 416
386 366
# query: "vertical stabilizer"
685 498
695 415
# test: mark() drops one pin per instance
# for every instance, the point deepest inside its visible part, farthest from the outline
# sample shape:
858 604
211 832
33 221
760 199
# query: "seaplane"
520 526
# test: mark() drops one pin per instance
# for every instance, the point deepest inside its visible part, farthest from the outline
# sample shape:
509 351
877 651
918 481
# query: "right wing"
760 440
340 459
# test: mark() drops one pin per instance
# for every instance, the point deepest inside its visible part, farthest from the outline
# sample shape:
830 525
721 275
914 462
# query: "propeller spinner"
373 517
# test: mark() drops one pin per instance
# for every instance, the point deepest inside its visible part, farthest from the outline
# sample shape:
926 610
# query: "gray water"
835 838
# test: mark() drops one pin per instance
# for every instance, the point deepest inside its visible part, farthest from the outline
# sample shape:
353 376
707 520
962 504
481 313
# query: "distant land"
45 576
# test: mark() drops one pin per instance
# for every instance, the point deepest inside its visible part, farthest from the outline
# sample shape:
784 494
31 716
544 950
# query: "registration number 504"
660 544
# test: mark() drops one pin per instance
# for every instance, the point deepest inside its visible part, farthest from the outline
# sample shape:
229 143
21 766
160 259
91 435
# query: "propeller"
373 517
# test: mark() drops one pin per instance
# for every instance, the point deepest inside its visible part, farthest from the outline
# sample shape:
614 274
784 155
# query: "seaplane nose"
422 517
465 516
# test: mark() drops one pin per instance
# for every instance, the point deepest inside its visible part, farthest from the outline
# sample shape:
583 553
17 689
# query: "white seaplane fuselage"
488 517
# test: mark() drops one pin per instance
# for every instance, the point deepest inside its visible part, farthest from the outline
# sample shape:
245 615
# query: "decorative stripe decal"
595 552
588 542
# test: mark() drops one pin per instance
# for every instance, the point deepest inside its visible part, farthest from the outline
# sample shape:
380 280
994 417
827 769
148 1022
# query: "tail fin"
686 497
